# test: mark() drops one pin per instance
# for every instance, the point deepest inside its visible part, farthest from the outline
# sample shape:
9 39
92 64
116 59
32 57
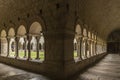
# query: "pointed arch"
21 30
11 32
35 28
3 33
85 32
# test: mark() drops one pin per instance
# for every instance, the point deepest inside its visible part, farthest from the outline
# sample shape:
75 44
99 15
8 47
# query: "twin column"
28 39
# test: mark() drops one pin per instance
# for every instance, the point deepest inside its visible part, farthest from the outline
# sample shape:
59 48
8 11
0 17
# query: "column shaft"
0 46
89 48
29 46
25 45
80 56
37 47
8 51
17 47
86 46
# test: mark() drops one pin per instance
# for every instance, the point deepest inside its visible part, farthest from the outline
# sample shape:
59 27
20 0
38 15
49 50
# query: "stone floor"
10 73
106 69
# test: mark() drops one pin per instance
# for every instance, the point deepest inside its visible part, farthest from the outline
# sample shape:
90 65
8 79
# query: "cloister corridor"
106 69
59 39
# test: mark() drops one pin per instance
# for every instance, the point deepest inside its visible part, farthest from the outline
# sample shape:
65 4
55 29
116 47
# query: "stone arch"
89 34
92 35
84 43
84 32
78 33
35 28
38 19
3 33
11 32
21 30
21 23
78 29
3 43
79 24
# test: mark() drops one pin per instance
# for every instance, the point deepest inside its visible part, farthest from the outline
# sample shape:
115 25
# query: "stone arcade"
58 39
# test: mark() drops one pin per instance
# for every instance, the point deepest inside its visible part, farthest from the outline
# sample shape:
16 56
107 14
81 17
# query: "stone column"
95 48
80 56
82 48
86 46
17 47
25 47
77 46
29 37
101 48
37 47
8 48
0 46
89 47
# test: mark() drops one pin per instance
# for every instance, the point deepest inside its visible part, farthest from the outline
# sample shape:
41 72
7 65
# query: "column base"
37 58
29 59
25 57
7 55
17 57
80 59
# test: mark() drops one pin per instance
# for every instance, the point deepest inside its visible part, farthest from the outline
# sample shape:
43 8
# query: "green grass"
33 55
75 54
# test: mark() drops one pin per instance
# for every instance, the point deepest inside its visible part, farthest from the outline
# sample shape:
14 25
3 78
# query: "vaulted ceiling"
102 15
10 10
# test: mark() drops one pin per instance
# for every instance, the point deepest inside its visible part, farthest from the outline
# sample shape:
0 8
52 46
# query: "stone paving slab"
11 73
107 69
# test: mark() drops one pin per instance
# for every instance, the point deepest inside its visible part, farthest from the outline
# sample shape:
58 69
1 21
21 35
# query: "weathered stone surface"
11 73
106 69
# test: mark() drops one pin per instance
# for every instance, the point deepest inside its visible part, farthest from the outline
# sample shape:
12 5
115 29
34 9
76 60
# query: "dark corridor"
113 47
113 44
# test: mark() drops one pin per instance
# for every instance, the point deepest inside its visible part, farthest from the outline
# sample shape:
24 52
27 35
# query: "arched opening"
22 44
89 44
92 45
77 41
37 41
22 48
11 42
84 44
4 44
113 42
95 44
